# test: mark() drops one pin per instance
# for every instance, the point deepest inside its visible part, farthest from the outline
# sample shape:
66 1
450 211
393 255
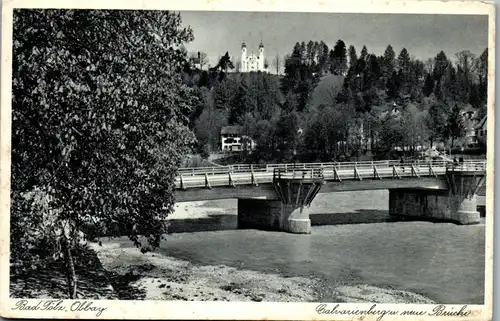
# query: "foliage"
386 102
326 135
99 120
455 127
207 129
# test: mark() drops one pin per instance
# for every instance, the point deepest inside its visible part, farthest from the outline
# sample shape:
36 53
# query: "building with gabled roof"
233 139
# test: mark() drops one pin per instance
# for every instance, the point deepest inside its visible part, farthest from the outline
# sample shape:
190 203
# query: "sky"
422 35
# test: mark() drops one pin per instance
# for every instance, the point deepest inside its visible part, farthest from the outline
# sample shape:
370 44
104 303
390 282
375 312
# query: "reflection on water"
442 261
216 222
213 222
353 240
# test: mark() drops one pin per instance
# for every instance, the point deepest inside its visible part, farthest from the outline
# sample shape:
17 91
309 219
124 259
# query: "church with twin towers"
252 62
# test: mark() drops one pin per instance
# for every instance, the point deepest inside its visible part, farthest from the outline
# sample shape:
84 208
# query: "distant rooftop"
482 123
232 130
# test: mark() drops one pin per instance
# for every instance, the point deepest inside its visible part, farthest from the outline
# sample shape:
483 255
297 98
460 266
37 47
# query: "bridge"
277 196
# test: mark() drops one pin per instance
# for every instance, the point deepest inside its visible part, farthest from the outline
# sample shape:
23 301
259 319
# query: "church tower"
243 64
261 56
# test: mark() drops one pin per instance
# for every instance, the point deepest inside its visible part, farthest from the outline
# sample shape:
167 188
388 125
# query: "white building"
233 139
252 62
471 122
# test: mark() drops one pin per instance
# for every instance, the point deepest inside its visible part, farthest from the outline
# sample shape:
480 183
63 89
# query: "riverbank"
344 260
117 270
166 278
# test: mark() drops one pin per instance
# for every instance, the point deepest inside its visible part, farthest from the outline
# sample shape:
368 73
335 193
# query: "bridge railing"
467 166
298 173
270 167
255 174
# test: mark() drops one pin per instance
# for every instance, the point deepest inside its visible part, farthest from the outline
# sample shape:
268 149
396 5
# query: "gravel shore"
166 278
161 277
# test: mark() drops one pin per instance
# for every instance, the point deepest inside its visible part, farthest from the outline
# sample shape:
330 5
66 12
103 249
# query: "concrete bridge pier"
273 215
288 213
458 204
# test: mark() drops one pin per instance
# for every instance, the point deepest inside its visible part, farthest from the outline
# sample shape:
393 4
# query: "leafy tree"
482 72
208 126
326 134
198 59
429 66
415 131
391 135
99 123
287 133
466 61
455 127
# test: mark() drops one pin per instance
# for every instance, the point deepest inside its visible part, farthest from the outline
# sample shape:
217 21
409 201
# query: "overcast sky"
422 35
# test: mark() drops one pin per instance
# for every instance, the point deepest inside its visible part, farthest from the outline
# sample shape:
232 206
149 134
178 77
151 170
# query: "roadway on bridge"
254 174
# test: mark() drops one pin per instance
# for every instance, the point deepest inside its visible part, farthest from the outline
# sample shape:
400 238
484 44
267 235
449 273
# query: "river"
442 261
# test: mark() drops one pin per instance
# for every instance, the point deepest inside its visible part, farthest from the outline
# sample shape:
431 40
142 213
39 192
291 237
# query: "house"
481 131
233 139
471 122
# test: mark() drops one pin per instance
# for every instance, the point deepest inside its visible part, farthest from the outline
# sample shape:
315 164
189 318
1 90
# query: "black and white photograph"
159 154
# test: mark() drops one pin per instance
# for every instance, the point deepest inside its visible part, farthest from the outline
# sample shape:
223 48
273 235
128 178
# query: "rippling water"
442 261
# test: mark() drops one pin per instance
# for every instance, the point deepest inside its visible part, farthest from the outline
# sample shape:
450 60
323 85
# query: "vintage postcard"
247 160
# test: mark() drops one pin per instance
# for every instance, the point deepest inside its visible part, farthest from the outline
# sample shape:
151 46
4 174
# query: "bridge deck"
238 175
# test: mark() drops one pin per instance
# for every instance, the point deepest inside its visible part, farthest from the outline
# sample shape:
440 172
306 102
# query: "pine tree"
404 62
310 52
339 60
364 53
323 57
388 62
449 88
428 85
440 65
393 85
362 60
353 58
303 52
